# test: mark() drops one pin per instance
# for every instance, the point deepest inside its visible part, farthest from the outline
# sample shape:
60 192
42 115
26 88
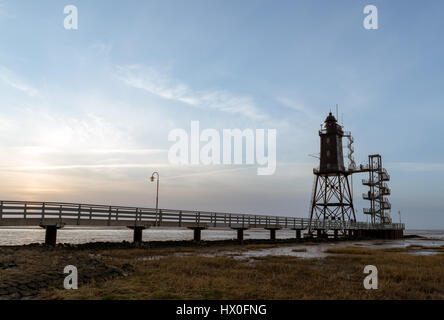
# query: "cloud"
88 131
98 151
154 82
44 140
14 81
83 166
299 107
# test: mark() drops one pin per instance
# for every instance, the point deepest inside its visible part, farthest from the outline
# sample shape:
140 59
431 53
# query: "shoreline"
80 235
100 245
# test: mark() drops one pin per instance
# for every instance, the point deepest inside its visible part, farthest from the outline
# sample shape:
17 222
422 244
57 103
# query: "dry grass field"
157 274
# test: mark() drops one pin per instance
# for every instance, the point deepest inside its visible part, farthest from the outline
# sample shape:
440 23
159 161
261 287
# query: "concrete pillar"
272 233
240 234
197 233
51 235
298 233
137 234
137 238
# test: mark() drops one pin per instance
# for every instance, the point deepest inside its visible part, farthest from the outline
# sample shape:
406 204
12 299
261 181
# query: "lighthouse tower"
332 199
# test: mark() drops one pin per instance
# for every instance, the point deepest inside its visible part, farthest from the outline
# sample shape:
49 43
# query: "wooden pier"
55 215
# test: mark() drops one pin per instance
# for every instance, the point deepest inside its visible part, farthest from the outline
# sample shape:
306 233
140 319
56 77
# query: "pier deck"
55 215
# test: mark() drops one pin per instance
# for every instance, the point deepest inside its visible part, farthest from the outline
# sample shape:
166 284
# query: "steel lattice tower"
378 190
332 198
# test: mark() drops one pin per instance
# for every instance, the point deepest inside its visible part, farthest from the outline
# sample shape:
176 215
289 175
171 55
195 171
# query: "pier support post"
51 235
272 233
240 233
298 233
197 233
137 235
137 238
335 234
319 233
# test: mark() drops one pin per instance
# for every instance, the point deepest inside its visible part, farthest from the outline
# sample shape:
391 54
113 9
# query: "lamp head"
152 178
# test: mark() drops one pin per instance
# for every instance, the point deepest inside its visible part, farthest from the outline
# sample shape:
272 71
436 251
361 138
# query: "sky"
86 113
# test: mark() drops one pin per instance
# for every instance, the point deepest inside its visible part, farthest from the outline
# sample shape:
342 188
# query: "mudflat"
219 271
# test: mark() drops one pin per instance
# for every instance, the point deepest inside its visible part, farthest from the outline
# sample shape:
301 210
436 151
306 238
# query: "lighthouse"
332 199
332 160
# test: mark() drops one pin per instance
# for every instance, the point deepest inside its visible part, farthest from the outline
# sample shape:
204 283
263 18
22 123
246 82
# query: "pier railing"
32 213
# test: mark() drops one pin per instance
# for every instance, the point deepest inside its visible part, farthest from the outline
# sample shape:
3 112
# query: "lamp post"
399 212
157 193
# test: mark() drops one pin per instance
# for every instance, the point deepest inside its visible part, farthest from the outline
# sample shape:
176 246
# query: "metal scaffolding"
378 191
